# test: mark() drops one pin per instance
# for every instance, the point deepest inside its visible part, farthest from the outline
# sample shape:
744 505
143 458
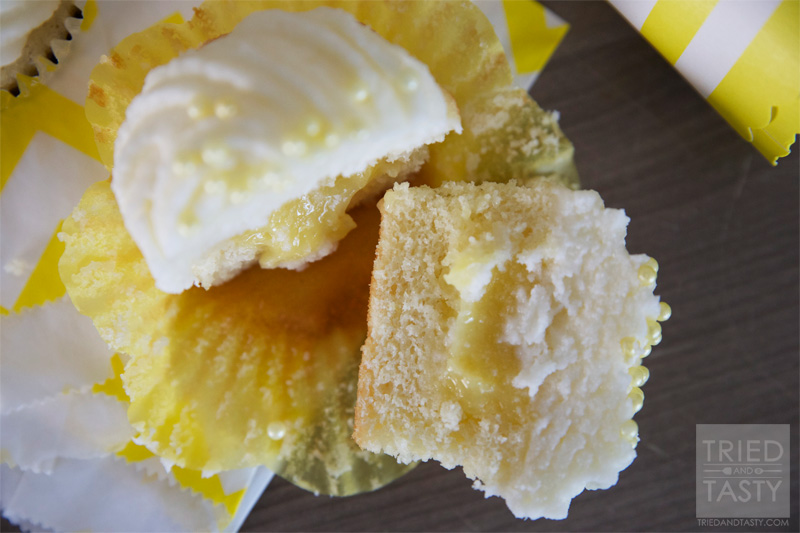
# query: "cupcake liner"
276 352
743 57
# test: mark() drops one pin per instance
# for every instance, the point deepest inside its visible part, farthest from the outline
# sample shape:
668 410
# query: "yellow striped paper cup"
743 56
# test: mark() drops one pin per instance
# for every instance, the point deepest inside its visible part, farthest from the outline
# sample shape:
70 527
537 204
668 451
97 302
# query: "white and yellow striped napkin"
743 56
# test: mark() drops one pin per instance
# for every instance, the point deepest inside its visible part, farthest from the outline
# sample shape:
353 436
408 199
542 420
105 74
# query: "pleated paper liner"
261 370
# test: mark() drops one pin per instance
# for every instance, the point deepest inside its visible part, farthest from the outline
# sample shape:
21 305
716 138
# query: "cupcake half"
34 37
262 369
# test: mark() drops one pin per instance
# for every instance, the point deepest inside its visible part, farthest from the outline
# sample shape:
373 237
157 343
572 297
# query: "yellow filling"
308 224
480 366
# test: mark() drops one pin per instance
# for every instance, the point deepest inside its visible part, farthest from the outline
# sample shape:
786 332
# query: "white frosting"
17 19
224 135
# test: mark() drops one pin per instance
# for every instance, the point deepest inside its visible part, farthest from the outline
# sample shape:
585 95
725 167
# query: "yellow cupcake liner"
263 369
260 370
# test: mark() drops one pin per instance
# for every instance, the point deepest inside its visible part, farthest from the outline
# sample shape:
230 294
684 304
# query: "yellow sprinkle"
360 95
294 148
639 375
331 140
653 331
665 312
225 109
276 430
630 431
198 109
646 351
629 347
647 275
218 156
637 397
214 187
652 263
313 128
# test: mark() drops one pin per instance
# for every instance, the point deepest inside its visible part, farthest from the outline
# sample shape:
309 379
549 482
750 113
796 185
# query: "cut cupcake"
507 324
33 36
278 348
253 147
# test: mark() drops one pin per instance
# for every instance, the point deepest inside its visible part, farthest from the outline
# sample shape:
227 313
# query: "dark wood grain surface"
723 225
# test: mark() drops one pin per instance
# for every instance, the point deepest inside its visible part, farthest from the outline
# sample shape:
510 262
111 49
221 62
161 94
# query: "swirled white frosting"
224 135
17 19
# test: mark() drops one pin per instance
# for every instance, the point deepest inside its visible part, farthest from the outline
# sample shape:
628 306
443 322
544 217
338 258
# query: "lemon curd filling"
311 226
480 365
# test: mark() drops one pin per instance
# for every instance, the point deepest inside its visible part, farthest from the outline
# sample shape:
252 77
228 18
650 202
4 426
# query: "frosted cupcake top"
224 135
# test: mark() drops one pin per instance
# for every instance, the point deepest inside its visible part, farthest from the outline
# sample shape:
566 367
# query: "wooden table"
723 225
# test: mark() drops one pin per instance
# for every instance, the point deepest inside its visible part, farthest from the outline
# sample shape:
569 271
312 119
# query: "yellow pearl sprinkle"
276 430
639 375
199 109
294 148
313 128
214 187
183 168
646 351
225 109
652 263
218 157
637 397
656 340
647 275
665 311
331 140
653 331
187 222
630 431
629 347
360 95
